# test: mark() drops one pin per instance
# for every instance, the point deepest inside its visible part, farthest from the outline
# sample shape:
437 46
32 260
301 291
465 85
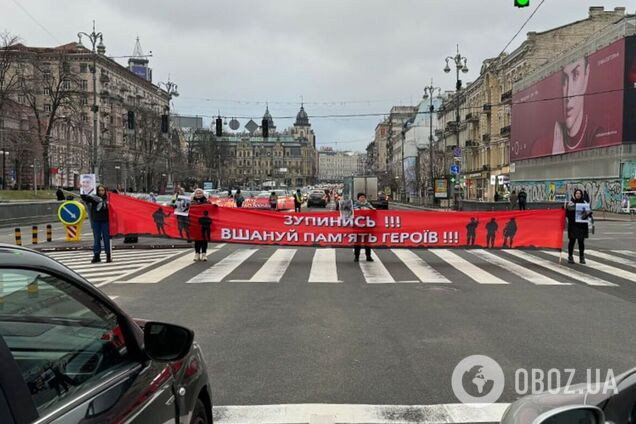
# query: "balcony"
505 130
472 117
485 138
506 97
486 108
472 143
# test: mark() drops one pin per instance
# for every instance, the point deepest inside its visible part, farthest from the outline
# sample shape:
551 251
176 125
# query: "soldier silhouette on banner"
159 217
509 232
206 223
471 230
491 233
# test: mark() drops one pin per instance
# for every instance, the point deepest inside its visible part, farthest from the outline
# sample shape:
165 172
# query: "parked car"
317 198
382 202
581 403
69 354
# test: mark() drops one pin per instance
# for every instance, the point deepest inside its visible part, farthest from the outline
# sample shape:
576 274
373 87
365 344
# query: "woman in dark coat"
98 213
577 231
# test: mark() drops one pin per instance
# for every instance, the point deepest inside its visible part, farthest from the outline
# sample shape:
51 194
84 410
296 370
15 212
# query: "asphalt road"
284 326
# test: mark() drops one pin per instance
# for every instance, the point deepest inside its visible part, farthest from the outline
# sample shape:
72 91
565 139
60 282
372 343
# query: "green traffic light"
522 3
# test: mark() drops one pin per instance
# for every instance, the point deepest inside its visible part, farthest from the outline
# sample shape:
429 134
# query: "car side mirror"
583 414
166 342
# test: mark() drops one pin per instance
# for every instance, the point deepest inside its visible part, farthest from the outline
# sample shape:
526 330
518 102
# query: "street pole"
93 37
460 63
430 93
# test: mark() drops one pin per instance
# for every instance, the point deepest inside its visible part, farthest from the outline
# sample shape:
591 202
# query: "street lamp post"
96 48
460 65
429 92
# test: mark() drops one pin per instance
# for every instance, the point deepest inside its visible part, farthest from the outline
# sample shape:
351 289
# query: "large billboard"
629 134
576 108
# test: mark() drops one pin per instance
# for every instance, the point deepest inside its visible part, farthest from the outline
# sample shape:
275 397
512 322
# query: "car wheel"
199 416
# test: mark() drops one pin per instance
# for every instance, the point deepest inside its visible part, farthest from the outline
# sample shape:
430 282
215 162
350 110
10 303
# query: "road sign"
71 212
454 169
457 152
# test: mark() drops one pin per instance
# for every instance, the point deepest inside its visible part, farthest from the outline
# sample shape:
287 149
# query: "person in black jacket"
522 198
60 194
200 242
577 231
98 212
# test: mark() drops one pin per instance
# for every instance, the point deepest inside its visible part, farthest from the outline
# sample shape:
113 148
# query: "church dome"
302 119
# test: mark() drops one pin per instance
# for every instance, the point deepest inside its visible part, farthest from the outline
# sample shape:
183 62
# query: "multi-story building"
70 88
398 116
575 122
485 104
247 159
335 165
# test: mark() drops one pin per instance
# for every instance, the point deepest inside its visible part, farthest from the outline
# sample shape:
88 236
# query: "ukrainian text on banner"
510 229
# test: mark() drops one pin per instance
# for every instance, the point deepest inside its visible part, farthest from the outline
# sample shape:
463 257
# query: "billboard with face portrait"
576 108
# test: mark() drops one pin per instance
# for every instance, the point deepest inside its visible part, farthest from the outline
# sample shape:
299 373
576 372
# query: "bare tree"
148 147
8 74
51 90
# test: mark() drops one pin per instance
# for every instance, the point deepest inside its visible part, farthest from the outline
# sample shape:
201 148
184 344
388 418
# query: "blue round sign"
454 169
70 213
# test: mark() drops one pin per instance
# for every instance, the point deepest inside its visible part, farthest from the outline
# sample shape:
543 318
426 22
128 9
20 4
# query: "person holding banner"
98 207
201 240
362 204
577 212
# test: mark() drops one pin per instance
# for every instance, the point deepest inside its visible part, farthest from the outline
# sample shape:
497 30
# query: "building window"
83 101
47 91
21 99
83 68
84 85
66 85
47 107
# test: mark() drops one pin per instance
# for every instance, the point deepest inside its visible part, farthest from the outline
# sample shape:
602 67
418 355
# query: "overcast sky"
341 56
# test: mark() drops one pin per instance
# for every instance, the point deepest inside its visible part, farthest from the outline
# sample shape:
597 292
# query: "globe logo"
478 380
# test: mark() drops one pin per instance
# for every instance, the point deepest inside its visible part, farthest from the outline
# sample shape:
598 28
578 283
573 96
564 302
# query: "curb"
124 247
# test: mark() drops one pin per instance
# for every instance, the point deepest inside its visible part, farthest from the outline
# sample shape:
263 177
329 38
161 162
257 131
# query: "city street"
304 325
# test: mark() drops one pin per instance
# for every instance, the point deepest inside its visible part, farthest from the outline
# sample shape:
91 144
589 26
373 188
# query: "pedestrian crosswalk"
125 263
233 264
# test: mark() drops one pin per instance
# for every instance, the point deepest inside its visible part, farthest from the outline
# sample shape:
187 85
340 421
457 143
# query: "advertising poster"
576 108
441 188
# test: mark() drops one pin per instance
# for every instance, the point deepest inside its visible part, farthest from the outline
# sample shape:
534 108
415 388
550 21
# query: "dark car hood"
528 408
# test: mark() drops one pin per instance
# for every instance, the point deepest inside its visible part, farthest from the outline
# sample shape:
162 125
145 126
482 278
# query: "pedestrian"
491 233
522 198
98 207
59 194
239 199
471 230
201 242
298 201
577 231
497 197
152 198
513 200
273 201
175 196
362 204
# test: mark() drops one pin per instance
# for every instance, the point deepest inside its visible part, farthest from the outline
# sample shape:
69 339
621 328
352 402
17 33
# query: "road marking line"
157 274
369 414
422 270
611 258
113 297
555 267
525 273
220 270
604 268
629 253
375 272
467 268
323 267
274 269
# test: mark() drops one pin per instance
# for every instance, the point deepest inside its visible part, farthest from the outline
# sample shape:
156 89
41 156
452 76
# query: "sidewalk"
598 215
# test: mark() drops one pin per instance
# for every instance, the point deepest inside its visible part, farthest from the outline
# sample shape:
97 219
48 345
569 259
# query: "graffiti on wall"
604 194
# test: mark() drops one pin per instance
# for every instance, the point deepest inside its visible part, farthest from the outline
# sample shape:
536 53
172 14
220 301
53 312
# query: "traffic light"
522 3
131 120
219 127
265 126
164 123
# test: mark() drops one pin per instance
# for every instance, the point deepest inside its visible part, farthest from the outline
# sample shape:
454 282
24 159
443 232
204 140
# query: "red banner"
376 228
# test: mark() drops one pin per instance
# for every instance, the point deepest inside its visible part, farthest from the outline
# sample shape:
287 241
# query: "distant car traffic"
69 354
317 198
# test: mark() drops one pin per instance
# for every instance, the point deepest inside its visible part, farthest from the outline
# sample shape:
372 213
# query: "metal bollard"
49 233
34 234
18 237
